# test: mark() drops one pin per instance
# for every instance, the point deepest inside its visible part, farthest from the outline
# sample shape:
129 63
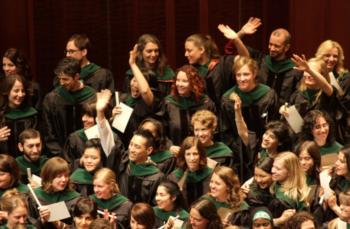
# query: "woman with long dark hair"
151 59
14 62
170 202
16 113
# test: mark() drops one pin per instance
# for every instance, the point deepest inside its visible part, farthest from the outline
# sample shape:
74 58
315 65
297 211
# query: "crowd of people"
210 145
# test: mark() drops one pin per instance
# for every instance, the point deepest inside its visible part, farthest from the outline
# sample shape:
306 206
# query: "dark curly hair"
283 134
309 123
197 83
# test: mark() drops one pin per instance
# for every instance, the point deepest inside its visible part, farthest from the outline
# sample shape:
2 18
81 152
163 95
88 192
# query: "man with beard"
91 74
62 107
276 68
30 145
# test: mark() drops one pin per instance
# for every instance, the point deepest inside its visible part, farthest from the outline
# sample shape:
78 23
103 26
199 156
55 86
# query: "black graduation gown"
195 184
17 120
258 108
177 113
62 112
118 204
140 184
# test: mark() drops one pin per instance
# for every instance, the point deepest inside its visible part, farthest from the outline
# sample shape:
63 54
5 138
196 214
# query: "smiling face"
88 121
341 167
138 151
269 141
218 188
136 225
164 200
102 189
279 171
150 53
320 131
73 51
91 159
245 78
83 221
17 217
70 83
306 161
31 149
331 58
203 133
193 53
60 182
8 66
262 178
277 47
183 84
17 95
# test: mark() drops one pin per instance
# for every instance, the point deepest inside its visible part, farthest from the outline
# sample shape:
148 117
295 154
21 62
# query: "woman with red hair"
187 97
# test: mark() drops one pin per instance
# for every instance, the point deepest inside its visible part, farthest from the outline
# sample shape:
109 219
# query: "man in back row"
92 75
275 69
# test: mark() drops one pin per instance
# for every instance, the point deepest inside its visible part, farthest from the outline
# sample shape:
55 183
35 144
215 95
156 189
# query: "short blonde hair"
241 61
206 118
11 200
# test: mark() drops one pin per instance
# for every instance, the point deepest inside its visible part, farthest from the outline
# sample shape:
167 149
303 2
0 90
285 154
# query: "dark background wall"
41 27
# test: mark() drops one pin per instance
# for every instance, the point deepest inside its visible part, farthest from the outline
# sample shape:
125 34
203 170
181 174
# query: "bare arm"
302 65
232 35
242 128
144 88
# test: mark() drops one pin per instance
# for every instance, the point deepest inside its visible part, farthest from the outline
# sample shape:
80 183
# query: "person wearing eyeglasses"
91 74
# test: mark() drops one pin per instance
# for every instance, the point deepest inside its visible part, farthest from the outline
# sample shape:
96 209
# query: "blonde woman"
204 123
289 188
16 207
107 196
332 54
225 193
315 91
